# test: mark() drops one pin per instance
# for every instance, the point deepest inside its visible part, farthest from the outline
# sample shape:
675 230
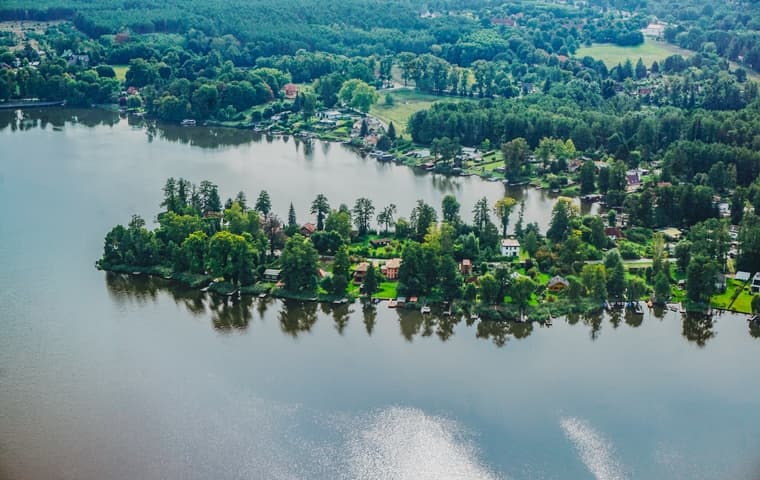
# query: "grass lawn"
386 290
405 104
743 302
121 71
649 51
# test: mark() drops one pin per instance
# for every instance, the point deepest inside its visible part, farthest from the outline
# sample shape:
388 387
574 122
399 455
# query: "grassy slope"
121 71
649 51
405 104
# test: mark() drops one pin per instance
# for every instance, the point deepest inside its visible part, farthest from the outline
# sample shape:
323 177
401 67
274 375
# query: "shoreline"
501 313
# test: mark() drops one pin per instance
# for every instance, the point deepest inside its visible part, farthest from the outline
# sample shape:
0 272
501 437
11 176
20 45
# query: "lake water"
105 376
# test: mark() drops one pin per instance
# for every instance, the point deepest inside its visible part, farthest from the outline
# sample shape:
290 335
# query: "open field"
121 71
405 103
649 51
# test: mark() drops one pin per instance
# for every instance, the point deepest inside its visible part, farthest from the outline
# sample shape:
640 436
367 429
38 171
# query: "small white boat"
392 303
425 309
474 316
262 295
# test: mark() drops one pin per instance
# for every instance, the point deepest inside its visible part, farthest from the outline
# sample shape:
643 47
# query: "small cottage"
557 284
360 272
290 90
272 274
465 266
510 247
308 229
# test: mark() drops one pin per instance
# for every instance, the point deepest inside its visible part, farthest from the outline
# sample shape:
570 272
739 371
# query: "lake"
107 376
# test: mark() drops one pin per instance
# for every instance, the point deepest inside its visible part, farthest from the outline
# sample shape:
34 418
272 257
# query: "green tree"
515 154
370 285
450 281
391 131
231 256
299 264
641 69
194 249
292 222
503 209
615 269
358 94
481 214
587 177
362 215
339 221
521 290
489 289
320 207
341 272
386 217
205 100
450 211
263 203
700 279
635 287
661 288
563 216
423 215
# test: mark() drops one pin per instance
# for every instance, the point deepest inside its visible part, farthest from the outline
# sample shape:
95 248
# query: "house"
633 179
272 274
510 247
671 233
290 90
380 242
465 266
360 272
755 286
557 284
742 276
307 229
614 233
391 268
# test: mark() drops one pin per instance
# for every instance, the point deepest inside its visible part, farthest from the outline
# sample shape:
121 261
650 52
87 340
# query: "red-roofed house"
291 90
307 229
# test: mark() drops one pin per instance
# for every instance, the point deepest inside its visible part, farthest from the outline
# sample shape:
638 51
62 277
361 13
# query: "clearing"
649 51
406 102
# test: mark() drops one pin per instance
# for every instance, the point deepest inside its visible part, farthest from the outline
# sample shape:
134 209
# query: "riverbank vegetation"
578 265
506 92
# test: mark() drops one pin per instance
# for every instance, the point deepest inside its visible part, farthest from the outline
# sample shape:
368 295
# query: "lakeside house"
755 287
510 247
272 274
614 233
290 90
380 242
307 229
742 276
557 284
391 268
465 267
360 272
